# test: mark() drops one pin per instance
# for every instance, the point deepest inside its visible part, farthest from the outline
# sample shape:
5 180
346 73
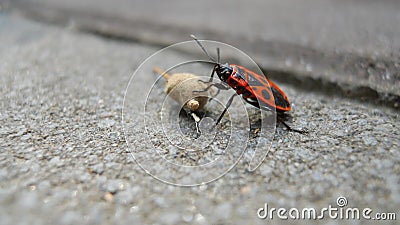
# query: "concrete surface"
64 159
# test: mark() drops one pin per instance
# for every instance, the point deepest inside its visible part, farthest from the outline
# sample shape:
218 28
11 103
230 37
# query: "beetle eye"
226 70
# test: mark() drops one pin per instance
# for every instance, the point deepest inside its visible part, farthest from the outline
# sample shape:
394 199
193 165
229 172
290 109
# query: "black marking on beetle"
247 94
279 100
254 82
265 94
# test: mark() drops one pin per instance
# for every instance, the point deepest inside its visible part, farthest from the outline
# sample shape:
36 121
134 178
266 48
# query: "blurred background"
353 44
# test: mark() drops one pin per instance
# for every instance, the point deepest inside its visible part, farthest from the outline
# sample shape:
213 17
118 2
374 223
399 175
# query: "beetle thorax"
223 71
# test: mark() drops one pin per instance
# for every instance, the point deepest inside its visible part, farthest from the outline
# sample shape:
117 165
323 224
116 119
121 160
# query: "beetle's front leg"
225 109
212 75
219 86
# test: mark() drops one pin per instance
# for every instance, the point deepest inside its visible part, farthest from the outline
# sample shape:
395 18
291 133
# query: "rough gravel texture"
64 159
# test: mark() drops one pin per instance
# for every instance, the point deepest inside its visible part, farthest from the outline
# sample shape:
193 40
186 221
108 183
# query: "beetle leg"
291 129
204 82
205 89
212 75
226 108
219 86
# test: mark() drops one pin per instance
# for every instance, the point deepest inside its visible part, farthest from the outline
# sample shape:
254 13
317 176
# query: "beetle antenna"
202 48
217 55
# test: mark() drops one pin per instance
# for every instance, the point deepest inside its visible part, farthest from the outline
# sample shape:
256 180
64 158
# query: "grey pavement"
64 157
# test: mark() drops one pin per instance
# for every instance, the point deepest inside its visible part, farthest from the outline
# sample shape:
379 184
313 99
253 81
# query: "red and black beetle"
254 88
